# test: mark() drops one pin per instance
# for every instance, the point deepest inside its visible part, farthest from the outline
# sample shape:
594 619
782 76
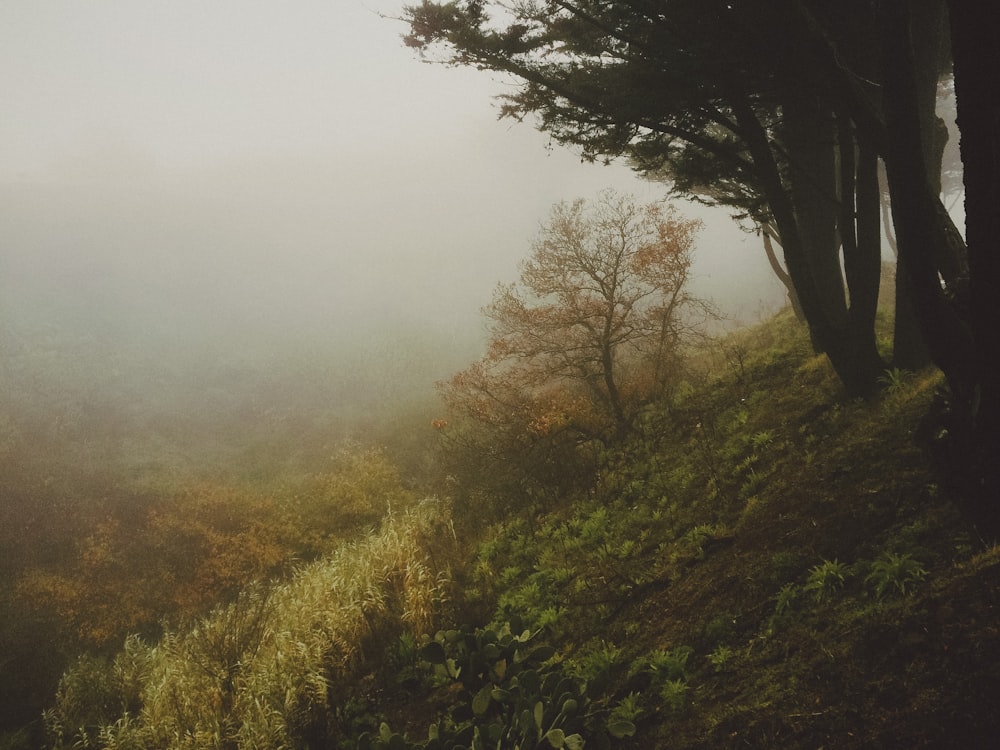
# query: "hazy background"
193 193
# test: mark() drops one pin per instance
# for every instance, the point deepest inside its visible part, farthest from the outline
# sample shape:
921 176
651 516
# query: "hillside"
763 564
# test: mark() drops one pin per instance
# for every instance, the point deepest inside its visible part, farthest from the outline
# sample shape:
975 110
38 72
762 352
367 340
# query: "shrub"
895 380
674 695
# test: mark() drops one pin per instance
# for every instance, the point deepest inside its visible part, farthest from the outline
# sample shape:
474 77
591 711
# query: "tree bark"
909 352
855 370
976 51
920 229
785 220
807 135
862 251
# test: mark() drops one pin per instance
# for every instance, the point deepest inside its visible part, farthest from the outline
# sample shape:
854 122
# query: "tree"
593 327
693 91
702 90
976 48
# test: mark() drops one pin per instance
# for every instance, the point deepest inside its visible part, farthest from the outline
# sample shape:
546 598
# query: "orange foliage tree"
590 332
592 329
180 554
177 558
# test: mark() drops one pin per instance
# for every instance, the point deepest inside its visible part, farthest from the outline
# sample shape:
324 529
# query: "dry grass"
257 672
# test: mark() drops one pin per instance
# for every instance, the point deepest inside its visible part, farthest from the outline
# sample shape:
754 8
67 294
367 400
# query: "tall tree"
953 293
684 89
702 90
975 32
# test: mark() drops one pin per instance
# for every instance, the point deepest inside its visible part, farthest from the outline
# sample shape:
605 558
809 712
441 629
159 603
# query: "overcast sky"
280 160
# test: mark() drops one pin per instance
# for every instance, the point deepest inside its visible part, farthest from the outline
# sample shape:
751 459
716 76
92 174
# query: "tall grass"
263 671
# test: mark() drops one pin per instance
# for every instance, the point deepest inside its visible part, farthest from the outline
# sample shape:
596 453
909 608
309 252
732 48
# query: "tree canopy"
782 111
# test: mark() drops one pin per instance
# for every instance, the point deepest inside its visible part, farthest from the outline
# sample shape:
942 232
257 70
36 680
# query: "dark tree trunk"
976 51
928 21
784 218
962 331
807 135
855 372
862 249
859 233
909 352
920 231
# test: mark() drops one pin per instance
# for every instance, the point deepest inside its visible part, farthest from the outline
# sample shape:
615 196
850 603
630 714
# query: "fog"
191 193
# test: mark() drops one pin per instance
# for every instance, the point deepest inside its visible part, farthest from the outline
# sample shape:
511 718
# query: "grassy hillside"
763 564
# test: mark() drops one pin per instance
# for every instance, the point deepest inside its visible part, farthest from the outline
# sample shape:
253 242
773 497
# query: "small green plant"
786 598
674 695
784 602
752 484
669 664
895 380
720 658
693 541
825 579
598 665
625 714
895 573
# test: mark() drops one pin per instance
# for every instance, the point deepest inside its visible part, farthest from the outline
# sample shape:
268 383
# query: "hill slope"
763 564
800 545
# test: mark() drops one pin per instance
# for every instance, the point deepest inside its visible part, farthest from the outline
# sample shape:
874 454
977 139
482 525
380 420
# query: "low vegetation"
760 563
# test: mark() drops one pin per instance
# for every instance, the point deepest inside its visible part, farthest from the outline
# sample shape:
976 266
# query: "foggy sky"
267 171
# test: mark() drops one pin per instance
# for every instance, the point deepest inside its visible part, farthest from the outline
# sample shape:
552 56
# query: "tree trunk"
807 135
920 229
909 352
855 373
976 51
862 252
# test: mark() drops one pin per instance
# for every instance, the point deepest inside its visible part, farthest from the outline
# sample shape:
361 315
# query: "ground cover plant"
796 545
